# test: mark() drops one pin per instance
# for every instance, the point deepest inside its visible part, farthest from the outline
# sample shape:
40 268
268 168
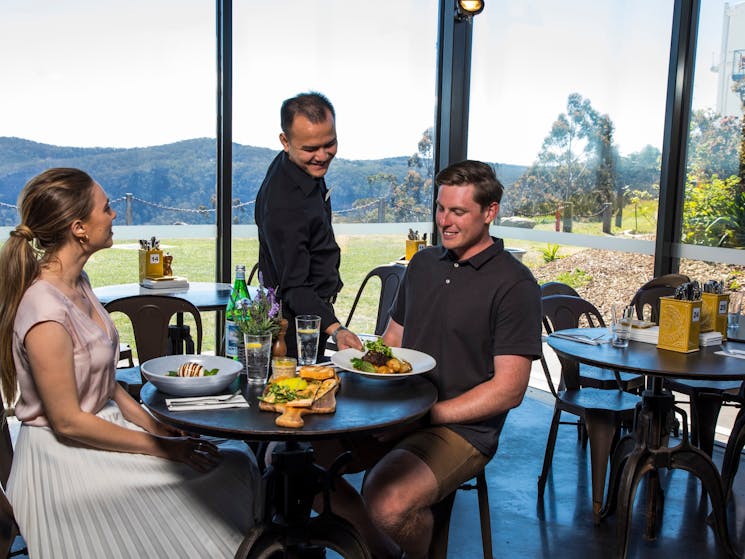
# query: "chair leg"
601 431
484 516
549 456
705 409
731 461
438 547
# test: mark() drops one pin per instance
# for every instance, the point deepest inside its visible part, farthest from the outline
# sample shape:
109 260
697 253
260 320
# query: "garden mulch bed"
615 276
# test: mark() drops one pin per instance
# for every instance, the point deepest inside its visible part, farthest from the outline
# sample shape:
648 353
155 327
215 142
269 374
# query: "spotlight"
466 9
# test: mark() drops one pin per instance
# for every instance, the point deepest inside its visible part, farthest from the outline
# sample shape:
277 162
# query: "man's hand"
346 339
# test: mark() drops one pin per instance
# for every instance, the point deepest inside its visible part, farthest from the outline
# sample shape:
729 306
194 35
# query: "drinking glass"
621 325
307 331
733 310
258 353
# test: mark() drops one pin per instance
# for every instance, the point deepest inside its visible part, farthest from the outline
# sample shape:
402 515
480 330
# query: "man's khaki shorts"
451 458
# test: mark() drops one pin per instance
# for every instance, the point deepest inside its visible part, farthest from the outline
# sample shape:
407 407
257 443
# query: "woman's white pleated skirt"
77 502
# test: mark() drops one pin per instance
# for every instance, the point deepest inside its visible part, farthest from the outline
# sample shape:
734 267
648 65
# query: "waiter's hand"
343 337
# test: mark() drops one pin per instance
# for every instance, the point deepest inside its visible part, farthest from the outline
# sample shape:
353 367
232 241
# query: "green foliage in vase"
261 314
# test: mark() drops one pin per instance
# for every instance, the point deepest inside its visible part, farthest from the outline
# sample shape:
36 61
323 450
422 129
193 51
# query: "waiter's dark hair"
480 175
311 105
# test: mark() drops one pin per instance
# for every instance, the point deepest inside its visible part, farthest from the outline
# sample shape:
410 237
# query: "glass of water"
307 330
620 325
734 309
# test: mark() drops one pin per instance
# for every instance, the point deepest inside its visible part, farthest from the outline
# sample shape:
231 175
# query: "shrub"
550 253
576 278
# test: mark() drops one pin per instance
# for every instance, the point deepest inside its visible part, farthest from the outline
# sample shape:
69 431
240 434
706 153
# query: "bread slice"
316 372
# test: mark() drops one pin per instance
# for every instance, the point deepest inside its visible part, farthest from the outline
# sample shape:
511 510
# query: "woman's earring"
84 240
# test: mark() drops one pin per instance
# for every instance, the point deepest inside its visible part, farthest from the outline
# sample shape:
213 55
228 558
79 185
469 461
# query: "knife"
581 338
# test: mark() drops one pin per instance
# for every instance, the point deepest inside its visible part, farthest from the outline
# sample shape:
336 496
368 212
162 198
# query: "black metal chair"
593 377
150 316
602 411
438 548
253 274
706 397
11 542
390 277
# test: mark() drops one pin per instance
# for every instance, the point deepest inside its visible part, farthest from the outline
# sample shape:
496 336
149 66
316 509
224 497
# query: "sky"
142 72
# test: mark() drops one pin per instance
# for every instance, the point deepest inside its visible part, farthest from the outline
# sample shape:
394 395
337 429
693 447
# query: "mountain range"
182 175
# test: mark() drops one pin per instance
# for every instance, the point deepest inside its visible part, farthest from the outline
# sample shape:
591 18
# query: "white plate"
420 362
156 371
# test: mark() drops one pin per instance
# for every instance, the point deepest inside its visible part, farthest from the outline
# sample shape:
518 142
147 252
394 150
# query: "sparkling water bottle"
232 330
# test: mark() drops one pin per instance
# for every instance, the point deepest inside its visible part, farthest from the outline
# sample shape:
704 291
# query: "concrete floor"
560 525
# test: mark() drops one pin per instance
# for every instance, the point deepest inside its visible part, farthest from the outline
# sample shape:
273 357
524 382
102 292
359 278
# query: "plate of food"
191 375
382 362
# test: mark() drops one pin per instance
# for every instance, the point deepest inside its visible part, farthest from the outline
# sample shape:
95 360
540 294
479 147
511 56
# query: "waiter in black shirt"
297 249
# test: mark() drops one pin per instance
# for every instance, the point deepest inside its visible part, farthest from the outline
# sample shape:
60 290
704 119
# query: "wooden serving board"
292 416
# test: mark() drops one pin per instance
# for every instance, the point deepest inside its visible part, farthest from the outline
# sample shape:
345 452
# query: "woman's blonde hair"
48 205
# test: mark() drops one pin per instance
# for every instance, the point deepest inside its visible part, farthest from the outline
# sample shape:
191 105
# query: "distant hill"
180 175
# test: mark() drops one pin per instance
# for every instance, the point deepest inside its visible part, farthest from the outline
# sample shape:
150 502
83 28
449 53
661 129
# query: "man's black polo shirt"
463 314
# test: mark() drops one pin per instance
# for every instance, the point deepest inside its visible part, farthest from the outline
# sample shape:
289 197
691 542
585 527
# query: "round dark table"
293 480
363 405
206 296
646 449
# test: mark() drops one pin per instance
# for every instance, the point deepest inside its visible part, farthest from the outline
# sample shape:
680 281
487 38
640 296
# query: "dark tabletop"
363 405
206 296
645 358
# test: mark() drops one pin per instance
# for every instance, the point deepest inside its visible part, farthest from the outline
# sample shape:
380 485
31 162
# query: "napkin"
647 335
207 402
710 338
736 353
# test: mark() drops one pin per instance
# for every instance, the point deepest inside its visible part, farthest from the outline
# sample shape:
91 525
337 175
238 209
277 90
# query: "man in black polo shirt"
477 311
297 249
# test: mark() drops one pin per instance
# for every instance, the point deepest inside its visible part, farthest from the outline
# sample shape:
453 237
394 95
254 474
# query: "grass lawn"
195 259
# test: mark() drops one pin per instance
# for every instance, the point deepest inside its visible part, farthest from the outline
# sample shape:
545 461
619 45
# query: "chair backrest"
557 288
253 274
150 316
8 526
390 277
646 301
566 311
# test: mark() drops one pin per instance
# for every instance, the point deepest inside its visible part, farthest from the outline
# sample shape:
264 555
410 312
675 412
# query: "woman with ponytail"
94 475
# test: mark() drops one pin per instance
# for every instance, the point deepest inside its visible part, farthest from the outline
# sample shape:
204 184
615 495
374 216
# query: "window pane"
714 210
376 62
126 92
568 103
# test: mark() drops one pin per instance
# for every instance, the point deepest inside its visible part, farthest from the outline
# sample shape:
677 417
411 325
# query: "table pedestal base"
286 529
645 452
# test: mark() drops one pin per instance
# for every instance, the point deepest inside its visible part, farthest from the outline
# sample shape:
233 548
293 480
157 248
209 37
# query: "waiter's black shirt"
297 249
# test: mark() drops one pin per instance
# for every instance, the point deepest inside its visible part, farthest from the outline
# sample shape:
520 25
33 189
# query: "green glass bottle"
232 330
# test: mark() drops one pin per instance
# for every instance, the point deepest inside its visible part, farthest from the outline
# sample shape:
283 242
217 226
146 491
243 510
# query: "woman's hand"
200 454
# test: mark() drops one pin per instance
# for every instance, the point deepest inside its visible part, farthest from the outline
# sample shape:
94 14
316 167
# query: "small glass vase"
256 354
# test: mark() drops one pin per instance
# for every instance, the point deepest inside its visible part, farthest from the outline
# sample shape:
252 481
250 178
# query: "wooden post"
381 210
128 211
606 217
567 217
